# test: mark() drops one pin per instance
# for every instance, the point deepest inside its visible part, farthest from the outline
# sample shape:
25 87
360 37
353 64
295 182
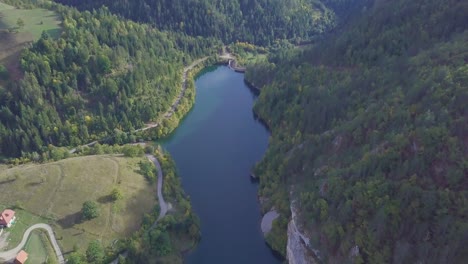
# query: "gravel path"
171 109
162 204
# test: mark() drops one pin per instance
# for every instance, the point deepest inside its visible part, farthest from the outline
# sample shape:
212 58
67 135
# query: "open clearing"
57 191
11 43
35 21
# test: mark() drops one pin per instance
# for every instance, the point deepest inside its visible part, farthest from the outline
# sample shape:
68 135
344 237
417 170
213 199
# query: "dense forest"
255 21
369 123
370 138
103 74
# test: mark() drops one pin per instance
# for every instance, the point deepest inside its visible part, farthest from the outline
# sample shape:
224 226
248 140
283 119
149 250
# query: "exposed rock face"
298 249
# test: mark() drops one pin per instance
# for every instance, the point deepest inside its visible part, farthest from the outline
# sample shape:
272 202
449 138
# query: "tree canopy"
102 76
256 21
90 210
369 135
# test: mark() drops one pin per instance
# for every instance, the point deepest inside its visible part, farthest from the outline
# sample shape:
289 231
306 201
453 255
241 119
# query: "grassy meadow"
35 21
36 249
57 190
13 39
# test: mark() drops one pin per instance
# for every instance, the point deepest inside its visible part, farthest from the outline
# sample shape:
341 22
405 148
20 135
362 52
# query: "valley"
344 122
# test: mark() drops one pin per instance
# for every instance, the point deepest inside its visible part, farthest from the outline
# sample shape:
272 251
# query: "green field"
35 21
35 248
14 39
56 191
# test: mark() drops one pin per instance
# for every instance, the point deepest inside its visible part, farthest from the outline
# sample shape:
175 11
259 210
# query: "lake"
215 147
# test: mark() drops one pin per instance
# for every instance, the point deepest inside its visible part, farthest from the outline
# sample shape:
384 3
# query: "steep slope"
370 142
102 74
257 21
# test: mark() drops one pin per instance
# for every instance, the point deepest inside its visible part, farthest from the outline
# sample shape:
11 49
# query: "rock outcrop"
298 248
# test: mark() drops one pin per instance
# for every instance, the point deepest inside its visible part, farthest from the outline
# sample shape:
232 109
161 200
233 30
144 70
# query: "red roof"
6 217
21 257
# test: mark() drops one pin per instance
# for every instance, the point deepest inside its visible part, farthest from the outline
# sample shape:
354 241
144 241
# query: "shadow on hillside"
33 184
7 181
105 199
70 220
54 33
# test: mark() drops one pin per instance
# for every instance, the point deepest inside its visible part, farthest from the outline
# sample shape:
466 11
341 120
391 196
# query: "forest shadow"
70 220
105 199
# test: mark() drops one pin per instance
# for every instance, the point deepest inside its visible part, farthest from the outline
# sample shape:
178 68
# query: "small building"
7 218
21 257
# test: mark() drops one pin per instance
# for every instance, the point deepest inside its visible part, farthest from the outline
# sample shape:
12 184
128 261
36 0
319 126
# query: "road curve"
176 102
171 109
162 204
11 254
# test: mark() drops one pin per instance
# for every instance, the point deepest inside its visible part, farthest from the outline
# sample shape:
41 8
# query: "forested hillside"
102 74
370 136
255 21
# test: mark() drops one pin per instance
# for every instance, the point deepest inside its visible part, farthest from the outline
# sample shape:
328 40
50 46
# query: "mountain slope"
102 74
369 136
257 21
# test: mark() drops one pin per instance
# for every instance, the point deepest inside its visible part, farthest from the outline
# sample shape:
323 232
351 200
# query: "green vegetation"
37 252
369 136
256 21
54 193
32 21
51 255
24 220
132 151
95 252
247 54
148 170
116 194
174 234
90 210
369 123
18 28
102 76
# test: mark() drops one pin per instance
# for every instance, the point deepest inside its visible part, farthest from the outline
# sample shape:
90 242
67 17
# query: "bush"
90 210
116 194
95 252
132 150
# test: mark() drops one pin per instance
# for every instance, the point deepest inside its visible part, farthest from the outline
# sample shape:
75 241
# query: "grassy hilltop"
55 192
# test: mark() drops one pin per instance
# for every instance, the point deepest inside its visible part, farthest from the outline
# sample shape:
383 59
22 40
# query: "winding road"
162 204
169 112
176 102
11 254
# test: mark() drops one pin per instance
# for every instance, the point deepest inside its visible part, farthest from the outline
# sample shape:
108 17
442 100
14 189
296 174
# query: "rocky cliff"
298 248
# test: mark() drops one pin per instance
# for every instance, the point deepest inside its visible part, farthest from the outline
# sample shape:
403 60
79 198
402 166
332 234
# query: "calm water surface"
215 147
